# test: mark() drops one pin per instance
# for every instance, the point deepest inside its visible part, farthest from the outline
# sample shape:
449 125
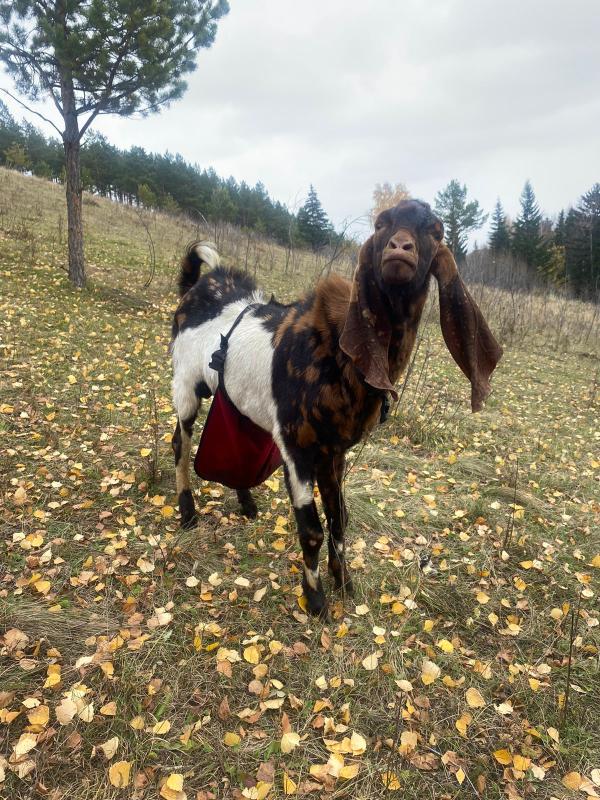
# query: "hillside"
133 652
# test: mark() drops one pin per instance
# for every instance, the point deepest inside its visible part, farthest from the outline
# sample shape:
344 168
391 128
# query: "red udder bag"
233 450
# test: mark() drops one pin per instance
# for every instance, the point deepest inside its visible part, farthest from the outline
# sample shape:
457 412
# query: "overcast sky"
344 94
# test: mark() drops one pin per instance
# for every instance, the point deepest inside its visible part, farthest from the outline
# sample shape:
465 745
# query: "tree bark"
71 137
74 214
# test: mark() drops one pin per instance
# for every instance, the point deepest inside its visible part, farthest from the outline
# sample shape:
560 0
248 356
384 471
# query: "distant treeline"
166 182
523 252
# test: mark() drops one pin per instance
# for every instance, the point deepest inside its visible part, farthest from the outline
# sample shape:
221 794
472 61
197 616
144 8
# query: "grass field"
140 661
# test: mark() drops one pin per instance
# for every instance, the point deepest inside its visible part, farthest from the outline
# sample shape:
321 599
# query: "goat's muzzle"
400 258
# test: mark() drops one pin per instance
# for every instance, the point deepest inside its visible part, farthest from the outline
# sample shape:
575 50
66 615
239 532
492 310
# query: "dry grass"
79 373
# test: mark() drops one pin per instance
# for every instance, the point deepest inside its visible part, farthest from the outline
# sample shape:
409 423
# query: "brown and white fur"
315 373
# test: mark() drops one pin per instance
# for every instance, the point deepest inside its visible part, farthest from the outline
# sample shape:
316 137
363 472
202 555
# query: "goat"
315 373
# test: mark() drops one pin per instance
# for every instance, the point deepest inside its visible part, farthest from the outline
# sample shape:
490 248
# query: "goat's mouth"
396 268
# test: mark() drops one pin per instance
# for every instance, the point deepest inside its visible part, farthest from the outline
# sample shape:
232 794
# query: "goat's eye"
437 232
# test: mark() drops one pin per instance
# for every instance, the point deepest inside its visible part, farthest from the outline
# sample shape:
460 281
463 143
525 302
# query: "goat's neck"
405 312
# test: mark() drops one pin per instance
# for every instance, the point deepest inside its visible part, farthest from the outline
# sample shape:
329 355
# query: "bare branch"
31 110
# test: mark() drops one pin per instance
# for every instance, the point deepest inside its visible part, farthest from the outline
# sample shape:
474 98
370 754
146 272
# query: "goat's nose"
402 241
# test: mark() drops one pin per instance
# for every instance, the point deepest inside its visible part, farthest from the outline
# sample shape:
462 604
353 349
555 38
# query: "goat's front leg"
247 503
330 476
182 445
300 484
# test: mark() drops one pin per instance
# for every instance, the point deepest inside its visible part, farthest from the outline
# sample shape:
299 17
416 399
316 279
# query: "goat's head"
393 270
403 246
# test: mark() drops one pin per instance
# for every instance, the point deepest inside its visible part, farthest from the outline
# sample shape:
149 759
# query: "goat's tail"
198 253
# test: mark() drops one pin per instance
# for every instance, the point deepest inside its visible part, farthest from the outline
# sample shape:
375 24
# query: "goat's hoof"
319 607
316 601
250 510
187 509
189 523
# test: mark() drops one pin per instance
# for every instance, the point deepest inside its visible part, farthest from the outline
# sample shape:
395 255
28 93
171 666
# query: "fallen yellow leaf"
474 698
572 780
119 774
503 757
390 781
430 672
289 741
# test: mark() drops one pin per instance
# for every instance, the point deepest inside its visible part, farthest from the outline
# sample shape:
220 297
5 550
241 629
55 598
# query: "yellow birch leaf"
572 780
503 757
262 789
370 662
462 723
349 771
39 715
390 781
119 774
231 739
110 747
27 741
521 763
430 672
173 786
289 787
252 654
289 741
65 711
358 744
162 727
474 698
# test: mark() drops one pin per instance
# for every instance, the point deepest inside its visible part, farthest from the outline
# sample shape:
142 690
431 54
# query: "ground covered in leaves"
140 661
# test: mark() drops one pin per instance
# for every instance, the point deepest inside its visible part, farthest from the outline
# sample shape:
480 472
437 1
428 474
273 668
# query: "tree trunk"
71 139
74 214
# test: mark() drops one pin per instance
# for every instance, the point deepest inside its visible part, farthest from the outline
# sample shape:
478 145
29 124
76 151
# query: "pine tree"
101 57
499 241
582 244
313 225
528 244
459 216
559 230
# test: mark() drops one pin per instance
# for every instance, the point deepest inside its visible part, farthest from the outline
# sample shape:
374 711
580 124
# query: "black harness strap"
217 360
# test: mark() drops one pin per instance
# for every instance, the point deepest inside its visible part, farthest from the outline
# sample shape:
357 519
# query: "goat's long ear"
465 331
367 329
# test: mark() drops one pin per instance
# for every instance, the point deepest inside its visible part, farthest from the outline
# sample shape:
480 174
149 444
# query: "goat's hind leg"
182 445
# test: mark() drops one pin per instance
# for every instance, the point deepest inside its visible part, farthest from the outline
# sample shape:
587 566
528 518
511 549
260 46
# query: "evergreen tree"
528 244
101 57
459 216
313 225
499 241
559 230
582 244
